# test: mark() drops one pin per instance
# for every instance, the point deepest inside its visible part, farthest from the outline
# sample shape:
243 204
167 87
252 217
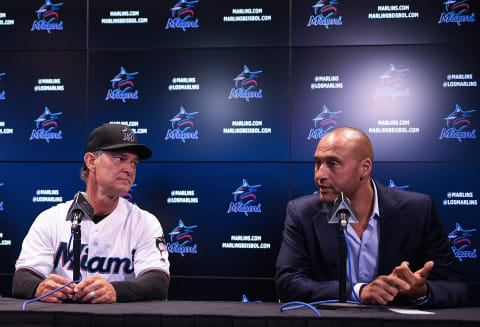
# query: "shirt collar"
375 211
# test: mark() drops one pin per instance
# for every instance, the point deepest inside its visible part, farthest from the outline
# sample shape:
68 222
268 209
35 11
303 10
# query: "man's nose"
321 172
128 168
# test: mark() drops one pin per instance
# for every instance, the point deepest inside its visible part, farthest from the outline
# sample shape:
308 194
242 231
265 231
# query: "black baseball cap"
117 137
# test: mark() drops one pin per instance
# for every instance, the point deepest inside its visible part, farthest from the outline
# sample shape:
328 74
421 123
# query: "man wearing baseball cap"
124 256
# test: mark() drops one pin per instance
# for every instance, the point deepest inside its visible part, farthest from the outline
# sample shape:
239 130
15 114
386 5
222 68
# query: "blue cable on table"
24 306
299 304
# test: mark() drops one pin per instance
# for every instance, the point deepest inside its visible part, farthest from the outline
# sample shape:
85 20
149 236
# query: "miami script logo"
122 87
246 85
244 199
182 126
461 244
459 125
47 127
457 12
181 240
48 18
325 14
183 16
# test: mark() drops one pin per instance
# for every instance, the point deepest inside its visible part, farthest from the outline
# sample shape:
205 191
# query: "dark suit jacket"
410 230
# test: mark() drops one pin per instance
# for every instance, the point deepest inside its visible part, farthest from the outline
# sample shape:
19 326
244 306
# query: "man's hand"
416 280
95 290
383 290
52 282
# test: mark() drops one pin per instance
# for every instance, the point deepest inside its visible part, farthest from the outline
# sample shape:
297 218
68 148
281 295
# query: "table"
212 314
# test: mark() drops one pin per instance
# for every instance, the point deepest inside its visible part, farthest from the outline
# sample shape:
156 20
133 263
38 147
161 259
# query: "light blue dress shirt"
364 251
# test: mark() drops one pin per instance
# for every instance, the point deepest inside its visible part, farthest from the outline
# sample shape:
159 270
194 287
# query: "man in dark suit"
399 249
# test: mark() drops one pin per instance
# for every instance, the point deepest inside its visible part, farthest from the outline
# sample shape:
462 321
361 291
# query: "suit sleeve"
446 283
295 276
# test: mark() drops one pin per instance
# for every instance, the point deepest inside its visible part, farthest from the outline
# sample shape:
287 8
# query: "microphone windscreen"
342 204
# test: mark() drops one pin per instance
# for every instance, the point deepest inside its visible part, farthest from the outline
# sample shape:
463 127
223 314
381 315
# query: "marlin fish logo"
244 199
393 185
183 120
46 125
325 14
324 122
122 87
392 83
161 245
183 9
460 242
47 120
457 12
246 85
180 238
246 79
47 18
326 119
458 7
458 123
458 119
182 126
326 8
181 233
123 80
393 77
245 193
183 16
48 11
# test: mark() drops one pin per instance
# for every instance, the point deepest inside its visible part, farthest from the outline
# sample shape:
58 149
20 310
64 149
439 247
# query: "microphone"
79 208
342 211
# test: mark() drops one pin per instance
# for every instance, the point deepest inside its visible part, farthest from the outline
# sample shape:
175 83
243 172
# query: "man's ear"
90 160
366 168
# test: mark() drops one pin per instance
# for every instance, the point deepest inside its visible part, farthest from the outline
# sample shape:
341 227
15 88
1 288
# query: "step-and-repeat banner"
233 98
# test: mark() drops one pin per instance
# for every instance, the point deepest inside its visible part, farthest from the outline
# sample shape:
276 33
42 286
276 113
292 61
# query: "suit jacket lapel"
392 230
328 239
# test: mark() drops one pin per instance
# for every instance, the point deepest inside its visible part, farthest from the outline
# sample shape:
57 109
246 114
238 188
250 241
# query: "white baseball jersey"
122 246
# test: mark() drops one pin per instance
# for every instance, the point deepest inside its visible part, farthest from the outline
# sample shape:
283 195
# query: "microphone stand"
342 255
77 243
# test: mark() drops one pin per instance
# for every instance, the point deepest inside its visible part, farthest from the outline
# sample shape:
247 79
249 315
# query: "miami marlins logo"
325 14
244 199
180 238
182 126
246 85
2 93
47 127
128 135
393 83
122 87
161 246
182 15
393 185
1 202
457 12
458 123
48 18
460 243
324 122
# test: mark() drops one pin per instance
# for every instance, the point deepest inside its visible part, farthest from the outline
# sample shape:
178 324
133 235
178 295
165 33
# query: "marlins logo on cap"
117 137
